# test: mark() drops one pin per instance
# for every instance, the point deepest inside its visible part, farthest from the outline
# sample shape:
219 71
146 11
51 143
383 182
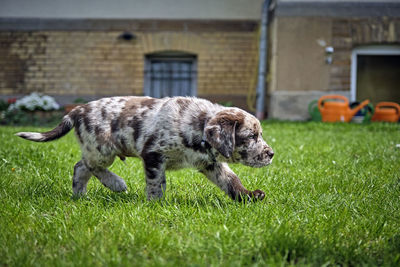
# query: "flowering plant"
35 101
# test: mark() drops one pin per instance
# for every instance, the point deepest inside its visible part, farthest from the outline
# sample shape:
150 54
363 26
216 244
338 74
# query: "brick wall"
98 63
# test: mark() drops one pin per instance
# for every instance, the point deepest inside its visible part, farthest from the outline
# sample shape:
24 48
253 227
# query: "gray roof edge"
41 24
338 9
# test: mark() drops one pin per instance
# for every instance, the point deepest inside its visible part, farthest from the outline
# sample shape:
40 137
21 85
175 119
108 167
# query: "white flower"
34 101
49 103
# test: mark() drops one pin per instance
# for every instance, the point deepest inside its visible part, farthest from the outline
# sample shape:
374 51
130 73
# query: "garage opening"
376 74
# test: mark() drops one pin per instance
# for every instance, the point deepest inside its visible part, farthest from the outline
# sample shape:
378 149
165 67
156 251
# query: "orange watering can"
335 110
387 111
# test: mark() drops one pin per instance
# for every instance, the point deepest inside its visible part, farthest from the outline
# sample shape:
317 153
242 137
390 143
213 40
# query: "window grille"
170 75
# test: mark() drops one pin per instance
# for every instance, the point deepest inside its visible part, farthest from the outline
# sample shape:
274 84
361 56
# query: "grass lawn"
332 198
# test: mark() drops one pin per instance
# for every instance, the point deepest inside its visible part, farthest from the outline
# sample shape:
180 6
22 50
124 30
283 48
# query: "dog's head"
237 135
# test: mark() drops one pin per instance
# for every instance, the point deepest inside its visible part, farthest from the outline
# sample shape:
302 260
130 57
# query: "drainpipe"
262 64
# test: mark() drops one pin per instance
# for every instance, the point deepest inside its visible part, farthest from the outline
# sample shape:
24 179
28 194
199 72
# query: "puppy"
167 133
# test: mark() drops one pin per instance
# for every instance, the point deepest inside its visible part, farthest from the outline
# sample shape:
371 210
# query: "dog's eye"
253 136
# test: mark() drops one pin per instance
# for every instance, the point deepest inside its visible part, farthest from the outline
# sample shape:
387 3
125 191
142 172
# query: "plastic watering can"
364 115
387 111
314 111
333 111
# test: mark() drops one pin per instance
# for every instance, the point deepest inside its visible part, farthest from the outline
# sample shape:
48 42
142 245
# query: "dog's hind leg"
97 160
110 179
80 179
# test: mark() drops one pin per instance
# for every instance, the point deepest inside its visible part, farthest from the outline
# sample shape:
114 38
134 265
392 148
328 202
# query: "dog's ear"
220 133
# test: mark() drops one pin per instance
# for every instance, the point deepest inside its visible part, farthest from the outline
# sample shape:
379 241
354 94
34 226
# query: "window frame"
170 57
375 50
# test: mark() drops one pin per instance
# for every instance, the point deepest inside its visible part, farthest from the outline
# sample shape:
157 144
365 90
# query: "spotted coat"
167 133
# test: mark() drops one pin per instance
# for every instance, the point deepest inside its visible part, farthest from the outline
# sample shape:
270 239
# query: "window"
170 74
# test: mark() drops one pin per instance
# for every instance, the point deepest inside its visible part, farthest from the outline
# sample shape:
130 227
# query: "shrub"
30 110
35 101
80 100
3 105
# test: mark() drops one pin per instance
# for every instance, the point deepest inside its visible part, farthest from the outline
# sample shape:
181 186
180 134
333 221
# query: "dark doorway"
378 78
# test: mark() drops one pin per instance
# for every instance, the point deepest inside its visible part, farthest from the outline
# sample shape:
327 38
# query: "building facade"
351 48
159 48
90 49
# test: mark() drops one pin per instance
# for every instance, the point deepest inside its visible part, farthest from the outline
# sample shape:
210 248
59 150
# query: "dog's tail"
62 129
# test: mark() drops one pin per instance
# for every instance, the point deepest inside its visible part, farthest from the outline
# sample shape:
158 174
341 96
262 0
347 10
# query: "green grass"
332 198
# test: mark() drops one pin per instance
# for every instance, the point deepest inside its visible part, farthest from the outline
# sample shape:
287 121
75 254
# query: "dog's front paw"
257 195
119 185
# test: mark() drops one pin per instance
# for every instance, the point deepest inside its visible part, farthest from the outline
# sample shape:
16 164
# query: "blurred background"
77 51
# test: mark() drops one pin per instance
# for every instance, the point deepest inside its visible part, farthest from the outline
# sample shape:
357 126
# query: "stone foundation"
288 105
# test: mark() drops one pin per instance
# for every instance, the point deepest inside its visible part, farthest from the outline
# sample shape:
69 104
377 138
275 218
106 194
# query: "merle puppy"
168 133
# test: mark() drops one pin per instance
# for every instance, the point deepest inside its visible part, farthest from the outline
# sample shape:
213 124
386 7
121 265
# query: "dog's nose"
270 153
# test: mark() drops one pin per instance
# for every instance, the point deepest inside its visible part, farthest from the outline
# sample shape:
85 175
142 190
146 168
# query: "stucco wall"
298 53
